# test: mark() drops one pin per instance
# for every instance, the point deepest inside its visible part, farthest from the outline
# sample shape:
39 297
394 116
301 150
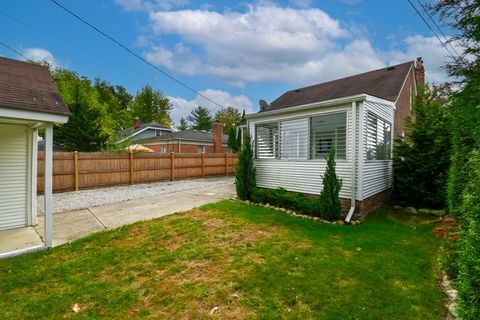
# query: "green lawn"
250 262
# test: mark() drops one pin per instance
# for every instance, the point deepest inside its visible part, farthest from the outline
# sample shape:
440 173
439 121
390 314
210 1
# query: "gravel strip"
82 199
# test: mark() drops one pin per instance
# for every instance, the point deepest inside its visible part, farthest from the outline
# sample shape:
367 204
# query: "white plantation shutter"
329 131
379 138
294 139
266 140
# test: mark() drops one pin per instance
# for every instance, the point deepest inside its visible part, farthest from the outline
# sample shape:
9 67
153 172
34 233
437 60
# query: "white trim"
32 115
361 147
47 192
354 163
34 161
405 81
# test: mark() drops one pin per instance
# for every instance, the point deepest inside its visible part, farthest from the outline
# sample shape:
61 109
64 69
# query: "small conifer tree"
330 206
245 172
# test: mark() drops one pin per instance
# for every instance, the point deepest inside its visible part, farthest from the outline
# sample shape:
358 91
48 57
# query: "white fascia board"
326 103
32 115
380 101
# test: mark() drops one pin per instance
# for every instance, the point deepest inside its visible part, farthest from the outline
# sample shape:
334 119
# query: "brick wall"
403 106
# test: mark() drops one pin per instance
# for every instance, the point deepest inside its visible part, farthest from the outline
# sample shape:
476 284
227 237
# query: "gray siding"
149 133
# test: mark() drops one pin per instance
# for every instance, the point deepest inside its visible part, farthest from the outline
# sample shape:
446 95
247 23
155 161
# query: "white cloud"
182 107
40 55
429 48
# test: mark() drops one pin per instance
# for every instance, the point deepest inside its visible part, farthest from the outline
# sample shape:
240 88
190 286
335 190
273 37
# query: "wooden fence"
85 170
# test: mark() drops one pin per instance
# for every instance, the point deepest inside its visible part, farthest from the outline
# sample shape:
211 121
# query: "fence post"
226 164
75 169
203 164
132 168
172 166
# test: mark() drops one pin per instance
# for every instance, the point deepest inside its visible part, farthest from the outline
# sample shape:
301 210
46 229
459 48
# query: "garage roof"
29 86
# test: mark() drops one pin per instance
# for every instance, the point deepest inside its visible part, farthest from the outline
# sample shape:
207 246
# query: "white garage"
29 101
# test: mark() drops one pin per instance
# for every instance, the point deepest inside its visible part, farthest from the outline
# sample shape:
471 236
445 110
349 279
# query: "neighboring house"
185 141
360 116
141 131
29 101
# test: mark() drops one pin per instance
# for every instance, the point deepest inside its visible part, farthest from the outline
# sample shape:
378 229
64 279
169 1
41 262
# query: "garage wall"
14 168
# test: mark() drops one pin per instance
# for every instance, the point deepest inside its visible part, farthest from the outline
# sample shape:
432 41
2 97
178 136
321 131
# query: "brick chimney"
217 129
136 122
419 72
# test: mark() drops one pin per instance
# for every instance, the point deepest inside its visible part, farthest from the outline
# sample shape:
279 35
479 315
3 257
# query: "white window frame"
164 148
275 140
371 114
201 148
336 136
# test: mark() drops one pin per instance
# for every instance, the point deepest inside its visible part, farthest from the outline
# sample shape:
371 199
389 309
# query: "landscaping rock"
452 294
410 210
340 222
397 207
452 308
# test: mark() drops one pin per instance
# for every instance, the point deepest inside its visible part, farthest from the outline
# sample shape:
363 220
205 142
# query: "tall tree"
117 100
200 119
183 124
90 125
229 116
151 105
418 182
463 179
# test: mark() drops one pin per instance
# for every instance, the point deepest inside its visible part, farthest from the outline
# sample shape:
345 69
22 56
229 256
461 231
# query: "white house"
359 115
29 101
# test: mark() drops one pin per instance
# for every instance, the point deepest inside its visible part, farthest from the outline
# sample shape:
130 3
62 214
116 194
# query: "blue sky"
233 52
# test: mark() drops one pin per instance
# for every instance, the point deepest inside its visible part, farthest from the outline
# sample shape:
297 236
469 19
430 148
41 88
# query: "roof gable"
29 86
384 83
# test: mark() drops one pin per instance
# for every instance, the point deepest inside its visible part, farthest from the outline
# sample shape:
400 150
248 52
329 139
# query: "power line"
13 50
424 7
132 52
431 29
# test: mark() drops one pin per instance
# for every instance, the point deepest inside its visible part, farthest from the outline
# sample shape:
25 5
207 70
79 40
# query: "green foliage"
330 205
117 100
90 126
245 172
183 124
293 201
151 105
469 253
422 158
233 141
200 119
229 116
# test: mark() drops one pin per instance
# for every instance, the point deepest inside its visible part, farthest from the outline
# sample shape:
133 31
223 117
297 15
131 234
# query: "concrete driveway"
71 225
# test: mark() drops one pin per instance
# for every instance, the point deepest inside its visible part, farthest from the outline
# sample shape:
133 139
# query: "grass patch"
248 261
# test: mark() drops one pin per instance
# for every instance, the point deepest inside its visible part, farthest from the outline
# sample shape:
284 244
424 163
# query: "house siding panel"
303 175
13 176
376 175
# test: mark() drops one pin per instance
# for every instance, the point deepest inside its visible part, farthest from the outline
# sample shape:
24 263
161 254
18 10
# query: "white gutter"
354 161
20 252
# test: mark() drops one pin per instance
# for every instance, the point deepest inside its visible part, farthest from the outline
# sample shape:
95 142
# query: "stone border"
295 214
451 297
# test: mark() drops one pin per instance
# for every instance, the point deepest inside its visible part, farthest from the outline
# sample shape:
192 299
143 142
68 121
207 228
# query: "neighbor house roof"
191 135
29 86
131 131
384 83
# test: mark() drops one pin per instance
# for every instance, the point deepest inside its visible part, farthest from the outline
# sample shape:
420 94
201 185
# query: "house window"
379 138
266 140
201 149
158 133
410 95
294 139
164 148
326 132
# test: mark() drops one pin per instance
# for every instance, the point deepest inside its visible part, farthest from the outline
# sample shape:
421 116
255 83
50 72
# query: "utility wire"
431 29
425 9
74 45
132 52
14 50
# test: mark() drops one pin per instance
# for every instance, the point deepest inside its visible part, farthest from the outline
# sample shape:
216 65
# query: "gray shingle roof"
29 86
130 131
189 134
384 83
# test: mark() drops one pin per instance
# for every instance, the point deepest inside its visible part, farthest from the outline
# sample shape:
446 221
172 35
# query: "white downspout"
354 161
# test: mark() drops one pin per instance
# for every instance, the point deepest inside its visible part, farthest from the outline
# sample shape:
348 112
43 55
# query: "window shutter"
294 139
267 140
329 131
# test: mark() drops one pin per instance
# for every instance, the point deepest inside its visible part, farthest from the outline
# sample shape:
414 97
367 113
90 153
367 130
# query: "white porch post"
48 185
34 176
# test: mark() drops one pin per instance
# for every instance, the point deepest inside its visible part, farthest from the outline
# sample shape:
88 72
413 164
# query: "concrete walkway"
71 225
